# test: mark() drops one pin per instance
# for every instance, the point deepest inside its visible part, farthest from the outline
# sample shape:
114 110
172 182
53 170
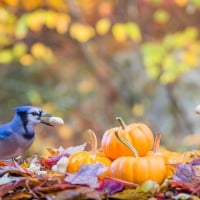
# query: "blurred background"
89 61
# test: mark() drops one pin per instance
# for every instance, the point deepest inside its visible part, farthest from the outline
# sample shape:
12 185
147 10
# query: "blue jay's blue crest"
17 135
23 108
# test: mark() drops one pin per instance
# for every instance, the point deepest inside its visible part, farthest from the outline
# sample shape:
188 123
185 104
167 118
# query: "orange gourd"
137 134
80 158
171 158
138 169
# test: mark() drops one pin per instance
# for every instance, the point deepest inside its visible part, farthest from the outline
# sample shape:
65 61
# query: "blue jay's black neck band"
23 117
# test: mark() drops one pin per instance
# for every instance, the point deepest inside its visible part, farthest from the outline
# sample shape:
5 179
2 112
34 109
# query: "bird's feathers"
25 108
18 134
4 132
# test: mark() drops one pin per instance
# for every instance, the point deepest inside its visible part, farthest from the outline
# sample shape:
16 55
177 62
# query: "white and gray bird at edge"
17 135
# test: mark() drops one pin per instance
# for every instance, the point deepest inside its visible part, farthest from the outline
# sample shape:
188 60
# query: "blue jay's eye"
34 113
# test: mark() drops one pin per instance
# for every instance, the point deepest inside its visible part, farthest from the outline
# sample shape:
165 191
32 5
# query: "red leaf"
15 170
4 189
53 187
112 185
52 160
78 193
182 185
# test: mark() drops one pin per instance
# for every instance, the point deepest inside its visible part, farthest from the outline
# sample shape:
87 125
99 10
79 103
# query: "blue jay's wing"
4 133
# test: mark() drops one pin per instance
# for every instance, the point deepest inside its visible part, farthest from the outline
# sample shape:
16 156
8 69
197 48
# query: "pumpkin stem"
93 141
121 122
132 148
157 143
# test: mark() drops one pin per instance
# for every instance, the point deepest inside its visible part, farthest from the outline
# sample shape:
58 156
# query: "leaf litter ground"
46 178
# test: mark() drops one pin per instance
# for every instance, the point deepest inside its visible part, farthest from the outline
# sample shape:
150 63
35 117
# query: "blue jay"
17 135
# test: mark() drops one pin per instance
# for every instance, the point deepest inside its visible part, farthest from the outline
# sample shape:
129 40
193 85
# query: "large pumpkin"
138 169
138 135
80 158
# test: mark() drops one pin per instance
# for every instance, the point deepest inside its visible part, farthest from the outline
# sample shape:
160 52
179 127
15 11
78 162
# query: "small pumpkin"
171 158
137 134
80 158
138 169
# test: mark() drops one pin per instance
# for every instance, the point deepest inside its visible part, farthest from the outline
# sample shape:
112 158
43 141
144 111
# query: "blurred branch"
181 122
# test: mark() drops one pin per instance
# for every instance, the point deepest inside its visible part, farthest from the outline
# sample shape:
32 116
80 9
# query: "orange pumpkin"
170 157
138 135
80 158
138 169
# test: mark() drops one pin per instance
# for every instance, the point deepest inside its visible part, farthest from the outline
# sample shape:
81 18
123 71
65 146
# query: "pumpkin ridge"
148 134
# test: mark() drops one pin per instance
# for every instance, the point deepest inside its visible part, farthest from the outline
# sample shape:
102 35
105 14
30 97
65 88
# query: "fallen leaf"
36 167
187 173
79 193
148 187
180 185
196 162
53 187
17 181
130 194
187 177
191 155
18 196
110 186
61 165
15 170
182 196
87 175
52 160
2 164
71 150
6 179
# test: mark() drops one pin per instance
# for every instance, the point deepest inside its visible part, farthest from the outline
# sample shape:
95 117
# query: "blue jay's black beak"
45 115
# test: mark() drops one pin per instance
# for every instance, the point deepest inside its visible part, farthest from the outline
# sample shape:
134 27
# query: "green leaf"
131 194
133 31
5 40
148 187
19 49
169 62
103 26
191 33
81 32
168 77
153 55
50 19
119 32
156 2
6 56
21 28
161 16
34 97
196 2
